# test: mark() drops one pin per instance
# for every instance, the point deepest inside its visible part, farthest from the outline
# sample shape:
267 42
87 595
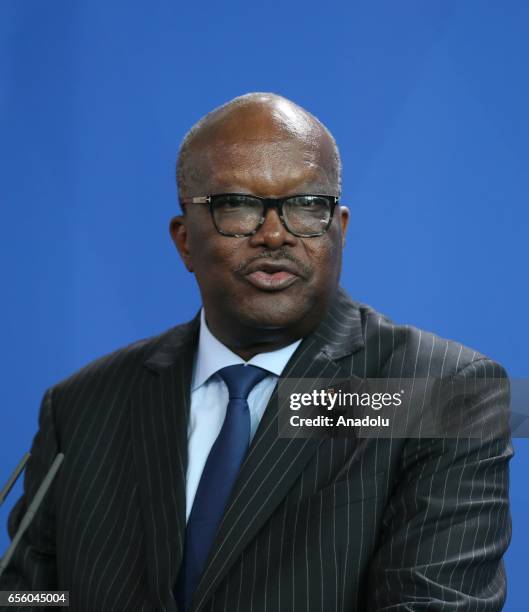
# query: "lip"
272 275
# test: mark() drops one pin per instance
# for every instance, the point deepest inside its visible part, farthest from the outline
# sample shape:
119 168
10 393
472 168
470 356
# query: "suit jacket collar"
159 413
159 433
341 331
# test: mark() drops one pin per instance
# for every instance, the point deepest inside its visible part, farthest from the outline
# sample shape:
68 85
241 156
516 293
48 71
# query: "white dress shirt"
209 398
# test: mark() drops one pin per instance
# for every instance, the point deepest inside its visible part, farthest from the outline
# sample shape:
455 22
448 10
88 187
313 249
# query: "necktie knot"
241 379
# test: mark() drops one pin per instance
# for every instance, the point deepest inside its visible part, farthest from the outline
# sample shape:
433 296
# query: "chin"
274 311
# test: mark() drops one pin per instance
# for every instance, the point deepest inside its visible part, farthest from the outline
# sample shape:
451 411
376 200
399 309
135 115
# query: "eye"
237 203
230 202
309 202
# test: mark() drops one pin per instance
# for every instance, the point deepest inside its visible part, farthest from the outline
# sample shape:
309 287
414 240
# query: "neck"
248 352
248 342
247 335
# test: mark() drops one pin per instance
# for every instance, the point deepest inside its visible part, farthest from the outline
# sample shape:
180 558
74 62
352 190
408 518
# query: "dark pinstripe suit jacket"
313 525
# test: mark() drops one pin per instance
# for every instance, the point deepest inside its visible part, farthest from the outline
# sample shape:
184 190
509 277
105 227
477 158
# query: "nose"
272 233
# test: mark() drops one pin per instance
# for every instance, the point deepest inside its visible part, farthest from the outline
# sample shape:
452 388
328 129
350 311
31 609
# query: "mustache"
279 255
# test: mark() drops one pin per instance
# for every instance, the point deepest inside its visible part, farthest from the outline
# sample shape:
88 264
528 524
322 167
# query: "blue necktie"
218 478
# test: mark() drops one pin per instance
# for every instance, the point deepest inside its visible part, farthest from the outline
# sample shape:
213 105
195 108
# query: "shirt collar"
212 355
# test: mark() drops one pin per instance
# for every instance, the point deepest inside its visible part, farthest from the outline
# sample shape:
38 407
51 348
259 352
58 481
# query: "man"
176 489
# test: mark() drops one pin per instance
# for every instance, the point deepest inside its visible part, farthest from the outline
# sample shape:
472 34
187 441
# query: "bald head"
257 132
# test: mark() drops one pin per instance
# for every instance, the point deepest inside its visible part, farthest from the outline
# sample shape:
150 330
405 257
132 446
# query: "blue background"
428 102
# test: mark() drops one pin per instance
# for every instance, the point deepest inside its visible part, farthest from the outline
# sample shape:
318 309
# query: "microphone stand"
33 506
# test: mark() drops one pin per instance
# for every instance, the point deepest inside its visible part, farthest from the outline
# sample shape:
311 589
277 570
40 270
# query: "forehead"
264 167
265 151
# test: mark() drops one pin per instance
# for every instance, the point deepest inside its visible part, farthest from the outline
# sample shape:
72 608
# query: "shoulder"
408 351
113 374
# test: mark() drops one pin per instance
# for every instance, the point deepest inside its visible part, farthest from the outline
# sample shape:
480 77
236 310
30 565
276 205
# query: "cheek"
325 258
213 256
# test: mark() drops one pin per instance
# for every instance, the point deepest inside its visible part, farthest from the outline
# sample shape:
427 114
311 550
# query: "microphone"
33 506
13 478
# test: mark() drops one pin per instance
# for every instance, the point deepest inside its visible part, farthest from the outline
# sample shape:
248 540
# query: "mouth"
272 275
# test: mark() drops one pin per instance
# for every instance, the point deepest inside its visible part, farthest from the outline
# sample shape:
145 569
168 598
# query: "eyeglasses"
239 214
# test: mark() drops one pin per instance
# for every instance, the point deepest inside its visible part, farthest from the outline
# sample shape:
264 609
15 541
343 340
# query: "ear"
344 220
180 236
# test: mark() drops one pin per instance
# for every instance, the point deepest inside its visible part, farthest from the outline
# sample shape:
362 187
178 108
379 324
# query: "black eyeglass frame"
268 203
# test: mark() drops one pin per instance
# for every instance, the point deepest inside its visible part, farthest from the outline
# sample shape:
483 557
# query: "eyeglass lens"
241 214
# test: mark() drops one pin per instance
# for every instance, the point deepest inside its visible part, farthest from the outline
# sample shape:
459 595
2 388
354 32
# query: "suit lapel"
273 464
160 405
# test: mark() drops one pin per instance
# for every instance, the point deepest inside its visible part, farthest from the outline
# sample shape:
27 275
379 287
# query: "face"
271 286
